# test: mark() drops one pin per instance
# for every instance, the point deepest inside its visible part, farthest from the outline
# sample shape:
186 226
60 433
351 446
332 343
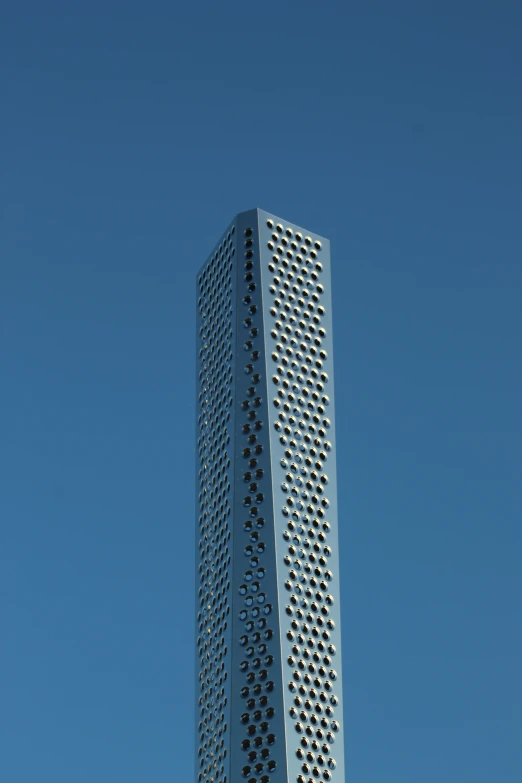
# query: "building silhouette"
269 701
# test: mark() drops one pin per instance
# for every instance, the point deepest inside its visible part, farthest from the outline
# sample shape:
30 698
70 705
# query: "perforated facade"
268 624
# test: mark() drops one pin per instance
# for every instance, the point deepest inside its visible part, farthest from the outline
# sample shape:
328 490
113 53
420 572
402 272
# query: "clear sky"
131 133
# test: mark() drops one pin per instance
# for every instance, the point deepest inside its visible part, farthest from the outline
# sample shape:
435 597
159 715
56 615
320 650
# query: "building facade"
269 685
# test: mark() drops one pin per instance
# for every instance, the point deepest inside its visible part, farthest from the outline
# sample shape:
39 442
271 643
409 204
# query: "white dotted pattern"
300 380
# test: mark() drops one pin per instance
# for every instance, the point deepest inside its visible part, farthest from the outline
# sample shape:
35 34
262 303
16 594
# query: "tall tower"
269 695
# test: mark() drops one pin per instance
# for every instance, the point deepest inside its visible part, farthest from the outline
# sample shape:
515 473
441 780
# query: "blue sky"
131 134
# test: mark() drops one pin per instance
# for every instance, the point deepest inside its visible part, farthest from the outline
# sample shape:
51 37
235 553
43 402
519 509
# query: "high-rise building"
269 701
